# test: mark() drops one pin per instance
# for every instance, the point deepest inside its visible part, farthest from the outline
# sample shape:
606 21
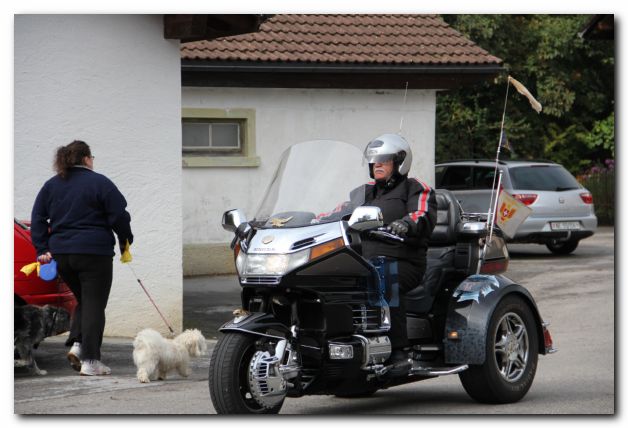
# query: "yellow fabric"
29 268
126 254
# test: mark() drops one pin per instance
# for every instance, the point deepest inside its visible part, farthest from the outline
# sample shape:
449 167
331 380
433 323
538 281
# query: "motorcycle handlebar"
383 234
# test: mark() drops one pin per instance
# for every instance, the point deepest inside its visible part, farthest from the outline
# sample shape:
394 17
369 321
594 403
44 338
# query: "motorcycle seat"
448 215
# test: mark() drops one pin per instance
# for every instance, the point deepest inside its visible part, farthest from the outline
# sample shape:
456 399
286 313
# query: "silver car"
562 209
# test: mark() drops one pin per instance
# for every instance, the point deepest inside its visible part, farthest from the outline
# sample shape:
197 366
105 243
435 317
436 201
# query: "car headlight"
270 264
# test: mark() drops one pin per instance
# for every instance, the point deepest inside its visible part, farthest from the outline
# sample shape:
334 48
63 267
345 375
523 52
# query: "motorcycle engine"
267 385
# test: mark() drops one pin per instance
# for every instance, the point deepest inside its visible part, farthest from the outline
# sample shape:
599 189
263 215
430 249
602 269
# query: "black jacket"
84 209
409 200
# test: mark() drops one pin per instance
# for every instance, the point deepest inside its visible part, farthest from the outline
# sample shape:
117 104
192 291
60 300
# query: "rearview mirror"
232 219
366 218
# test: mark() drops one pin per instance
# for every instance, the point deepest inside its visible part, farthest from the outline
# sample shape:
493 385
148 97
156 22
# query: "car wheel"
511 356
564 247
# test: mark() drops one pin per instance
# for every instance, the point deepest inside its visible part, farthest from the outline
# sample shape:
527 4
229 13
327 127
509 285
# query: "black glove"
398 227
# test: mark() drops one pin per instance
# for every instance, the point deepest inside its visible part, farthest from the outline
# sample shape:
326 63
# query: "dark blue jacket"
84 209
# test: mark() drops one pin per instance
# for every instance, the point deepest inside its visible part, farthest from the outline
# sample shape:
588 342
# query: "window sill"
221 161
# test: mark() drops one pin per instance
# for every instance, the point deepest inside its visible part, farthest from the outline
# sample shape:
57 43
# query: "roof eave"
343 76
304 67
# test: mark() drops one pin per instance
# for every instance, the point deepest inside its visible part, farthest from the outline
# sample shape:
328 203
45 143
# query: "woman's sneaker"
94 368
74 356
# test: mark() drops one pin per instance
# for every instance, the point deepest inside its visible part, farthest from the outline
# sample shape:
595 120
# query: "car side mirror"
232 219
366 218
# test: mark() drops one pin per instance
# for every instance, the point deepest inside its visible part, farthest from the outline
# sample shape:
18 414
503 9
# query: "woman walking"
73 220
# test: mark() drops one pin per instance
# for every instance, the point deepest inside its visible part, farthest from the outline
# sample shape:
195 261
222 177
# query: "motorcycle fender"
257 323
469 313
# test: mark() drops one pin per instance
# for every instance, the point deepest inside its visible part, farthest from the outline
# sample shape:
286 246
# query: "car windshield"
312 185
542 177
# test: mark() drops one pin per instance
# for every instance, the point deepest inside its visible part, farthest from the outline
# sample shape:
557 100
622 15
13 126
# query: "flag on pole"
524 91
510 214
504 142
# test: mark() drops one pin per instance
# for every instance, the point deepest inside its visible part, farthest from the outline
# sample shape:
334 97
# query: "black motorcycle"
315 313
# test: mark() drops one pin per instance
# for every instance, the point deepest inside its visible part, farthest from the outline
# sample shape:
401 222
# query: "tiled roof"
343 39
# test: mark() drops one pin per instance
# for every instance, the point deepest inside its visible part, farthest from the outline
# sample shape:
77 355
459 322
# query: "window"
205 135
483 177
218 138
456 178
542 177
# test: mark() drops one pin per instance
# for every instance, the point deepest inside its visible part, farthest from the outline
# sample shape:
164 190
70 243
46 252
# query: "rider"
409 209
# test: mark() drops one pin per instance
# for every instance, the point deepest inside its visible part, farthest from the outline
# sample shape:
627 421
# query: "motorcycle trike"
315 314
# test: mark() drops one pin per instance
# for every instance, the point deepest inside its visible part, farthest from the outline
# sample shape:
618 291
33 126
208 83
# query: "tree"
573 79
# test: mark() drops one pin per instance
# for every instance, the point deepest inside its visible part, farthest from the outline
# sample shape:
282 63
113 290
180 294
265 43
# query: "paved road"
575 293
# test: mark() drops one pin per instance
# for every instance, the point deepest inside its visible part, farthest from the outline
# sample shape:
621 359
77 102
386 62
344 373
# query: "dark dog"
32 324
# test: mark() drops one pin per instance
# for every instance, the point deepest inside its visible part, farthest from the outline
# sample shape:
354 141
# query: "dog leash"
150 298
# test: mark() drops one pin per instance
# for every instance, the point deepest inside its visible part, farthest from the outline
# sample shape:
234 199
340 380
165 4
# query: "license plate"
565 225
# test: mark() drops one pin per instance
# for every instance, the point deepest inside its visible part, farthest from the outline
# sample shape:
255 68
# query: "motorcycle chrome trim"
232 219
511 350
366 218
385 323
309 347
427 348
376 350
284 239
438 371
474 226
266 387
292 368
260 280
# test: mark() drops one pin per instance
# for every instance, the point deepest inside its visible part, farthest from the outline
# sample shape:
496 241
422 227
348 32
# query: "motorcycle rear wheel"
228 376
511 356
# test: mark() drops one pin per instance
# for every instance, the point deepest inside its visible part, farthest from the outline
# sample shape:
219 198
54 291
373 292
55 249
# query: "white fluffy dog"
154 356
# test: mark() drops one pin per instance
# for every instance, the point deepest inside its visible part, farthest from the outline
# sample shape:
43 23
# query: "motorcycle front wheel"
228 376
511 356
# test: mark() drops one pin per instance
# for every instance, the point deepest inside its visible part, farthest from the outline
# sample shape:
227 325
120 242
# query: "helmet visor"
379 158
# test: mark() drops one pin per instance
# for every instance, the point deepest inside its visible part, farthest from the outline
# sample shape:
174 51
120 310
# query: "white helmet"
387 147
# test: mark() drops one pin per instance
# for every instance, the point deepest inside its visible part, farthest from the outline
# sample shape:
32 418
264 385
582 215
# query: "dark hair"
70 155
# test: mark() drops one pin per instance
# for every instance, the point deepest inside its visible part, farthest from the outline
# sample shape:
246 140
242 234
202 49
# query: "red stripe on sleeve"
422 208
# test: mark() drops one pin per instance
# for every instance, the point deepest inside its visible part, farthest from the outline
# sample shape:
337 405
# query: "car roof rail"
501 161
473 160
533 161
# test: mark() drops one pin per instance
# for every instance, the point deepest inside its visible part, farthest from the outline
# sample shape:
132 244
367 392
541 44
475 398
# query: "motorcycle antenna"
492 208
502 141
403 108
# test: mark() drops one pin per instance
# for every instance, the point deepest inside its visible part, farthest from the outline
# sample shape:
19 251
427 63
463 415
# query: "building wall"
284 117
114 82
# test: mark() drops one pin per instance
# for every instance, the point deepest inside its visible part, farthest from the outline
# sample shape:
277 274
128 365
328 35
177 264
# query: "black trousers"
89 277
409 277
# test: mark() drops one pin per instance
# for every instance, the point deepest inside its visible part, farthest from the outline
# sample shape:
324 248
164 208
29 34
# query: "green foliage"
571 77
602 136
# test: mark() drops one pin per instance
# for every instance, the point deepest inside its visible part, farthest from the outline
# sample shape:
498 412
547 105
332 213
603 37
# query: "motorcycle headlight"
270 264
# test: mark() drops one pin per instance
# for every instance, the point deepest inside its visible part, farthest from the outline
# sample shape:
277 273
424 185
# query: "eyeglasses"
92 157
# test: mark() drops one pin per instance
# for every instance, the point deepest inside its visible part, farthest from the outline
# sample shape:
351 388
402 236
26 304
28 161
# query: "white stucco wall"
114 82
287 116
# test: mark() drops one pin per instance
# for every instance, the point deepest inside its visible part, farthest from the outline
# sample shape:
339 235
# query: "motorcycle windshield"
312 185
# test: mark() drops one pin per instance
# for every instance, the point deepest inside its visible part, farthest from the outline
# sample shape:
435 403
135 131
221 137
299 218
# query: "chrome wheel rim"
511 348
